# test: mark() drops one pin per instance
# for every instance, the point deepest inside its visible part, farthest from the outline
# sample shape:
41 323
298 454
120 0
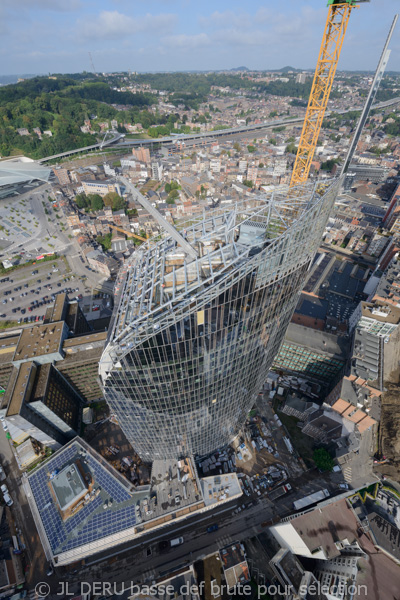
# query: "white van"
176 542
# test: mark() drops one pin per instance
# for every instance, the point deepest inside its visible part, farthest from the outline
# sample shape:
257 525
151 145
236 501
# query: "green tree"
173 195
329 164
118 203
81 201
273 141
323 460
95 202
113 200
248 183
236 146
251 148
291 148
167 188
104 241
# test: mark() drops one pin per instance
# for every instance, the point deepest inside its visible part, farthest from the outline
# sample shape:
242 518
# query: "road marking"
148 575
223 541
347 473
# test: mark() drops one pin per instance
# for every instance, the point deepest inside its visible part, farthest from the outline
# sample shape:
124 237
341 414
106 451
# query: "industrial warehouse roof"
19 170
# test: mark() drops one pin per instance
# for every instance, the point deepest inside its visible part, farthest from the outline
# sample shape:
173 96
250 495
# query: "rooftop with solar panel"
82 505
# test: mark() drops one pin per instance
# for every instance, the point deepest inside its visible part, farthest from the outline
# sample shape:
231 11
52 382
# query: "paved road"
34 555
134 564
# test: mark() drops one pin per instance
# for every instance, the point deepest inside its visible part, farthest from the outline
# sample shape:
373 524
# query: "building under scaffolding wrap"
195 332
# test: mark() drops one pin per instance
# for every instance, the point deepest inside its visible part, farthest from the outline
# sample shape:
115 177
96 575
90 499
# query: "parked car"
8 499
212 528
176 542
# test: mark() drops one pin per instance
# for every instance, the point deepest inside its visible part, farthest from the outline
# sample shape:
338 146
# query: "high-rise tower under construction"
200 316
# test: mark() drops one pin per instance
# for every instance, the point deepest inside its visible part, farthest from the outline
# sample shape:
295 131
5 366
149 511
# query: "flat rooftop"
220 487
234 564
323 527
178 587
88 338
39 340
380 311
319 341
68 486
58 308
174 484
114 511
24 380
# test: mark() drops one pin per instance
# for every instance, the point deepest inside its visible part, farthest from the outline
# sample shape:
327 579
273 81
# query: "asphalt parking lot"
31 224
25 293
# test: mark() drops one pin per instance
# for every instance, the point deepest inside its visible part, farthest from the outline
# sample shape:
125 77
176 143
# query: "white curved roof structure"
21 170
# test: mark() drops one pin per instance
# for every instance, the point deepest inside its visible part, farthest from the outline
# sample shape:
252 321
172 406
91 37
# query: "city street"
142 561
34 556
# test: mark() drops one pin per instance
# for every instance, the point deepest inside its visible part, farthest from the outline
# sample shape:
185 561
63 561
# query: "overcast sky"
40 36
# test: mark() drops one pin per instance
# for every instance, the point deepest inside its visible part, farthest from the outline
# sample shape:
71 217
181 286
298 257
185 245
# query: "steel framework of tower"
193 335
331 46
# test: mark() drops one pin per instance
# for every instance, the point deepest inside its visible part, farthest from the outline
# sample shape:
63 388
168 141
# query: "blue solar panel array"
103 523
107 482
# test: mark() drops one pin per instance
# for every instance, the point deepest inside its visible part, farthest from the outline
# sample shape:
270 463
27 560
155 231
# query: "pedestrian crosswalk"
347 473
224 541
148 575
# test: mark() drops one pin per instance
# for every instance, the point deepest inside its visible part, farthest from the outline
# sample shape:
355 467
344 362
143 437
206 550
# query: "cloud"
236 37
184 40
115 25
224 19
50 5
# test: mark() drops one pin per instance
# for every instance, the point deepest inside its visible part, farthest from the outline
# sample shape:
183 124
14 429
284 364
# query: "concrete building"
328 537
48 375
83 506
107 265
141 154
157 171
316 355
101 187
62 176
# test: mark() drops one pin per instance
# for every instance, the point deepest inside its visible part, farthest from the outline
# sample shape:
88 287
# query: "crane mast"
331 46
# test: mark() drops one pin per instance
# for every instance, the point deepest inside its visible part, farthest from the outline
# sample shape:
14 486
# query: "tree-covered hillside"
61 106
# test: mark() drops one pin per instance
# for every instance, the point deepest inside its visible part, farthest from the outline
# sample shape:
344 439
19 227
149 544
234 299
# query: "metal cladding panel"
182 374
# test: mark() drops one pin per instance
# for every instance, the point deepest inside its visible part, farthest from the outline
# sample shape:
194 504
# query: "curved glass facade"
192 340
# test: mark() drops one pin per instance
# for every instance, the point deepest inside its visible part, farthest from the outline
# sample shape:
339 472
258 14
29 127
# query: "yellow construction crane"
128 233
331 46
